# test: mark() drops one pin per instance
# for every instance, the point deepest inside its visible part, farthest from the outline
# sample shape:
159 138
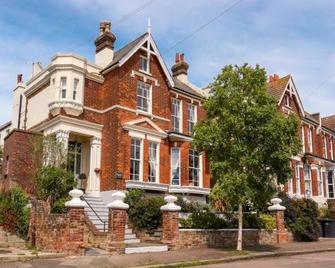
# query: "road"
315 260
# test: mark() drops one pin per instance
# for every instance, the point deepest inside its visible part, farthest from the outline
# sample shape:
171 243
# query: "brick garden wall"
198 238
56 232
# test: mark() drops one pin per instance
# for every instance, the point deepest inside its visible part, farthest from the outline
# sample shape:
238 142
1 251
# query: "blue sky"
287 36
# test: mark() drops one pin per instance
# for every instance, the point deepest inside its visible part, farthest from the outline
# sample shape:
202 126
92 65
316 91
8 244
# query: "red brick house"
126 120
314 167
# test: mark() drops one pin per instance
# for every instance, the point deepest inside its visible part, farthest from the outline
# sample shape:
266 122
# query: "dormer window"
63 87
75 88
144 64
143 97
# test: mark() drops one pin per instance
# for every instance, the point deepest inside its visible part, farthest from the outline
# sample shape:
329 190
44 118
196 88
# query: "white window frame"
310 139
331 148
147 68
332 184
63 89
308 179
172 167
140 177
195 119
319 181
148 87
194 168
155 162
324 146
178 103
303 138
297 178
75 89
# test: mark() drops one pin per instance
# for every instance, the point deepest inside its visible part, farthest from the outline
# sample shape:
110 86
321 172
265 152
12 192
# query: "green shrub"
144 211
301 217
268 222
191 206
59 205
54 183
204 220
324 213
14 214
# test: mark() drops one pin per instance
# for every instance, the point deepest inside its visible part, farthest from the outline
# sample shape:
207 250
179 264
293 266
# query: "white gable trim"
148 38
144 120
295 92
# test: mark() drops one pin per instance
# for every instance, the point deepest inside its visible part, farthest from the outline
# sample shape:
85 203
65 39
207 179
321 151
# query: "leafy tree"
248 142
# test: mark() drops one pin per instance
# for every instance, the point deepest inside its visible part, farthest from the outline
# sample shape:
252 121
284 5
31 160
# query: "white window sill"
145 72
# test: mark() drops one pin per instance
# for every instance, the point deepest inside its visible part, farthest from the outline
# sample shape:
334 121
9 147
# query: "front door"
74 160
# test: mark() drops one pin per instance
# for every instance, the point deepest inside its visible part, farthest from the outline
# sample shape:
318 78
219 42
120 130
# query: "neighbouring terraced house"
127 120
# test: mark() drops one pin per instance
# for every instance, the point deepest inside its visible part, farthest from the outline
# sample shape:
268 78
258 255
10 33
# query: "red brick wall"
19 167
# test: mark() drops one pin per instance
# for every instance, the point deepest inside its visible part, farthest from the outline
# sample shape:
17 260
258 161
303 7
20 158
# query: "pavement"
187 257
314 260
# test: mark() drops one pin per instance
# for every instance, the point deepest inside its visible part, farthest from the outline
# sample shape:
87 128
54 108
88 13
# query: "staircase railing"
96 214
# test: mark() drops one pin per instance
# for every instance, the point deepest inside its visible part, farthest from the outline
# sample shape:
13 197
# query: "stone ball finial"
76 201
276 205
170 206
117 202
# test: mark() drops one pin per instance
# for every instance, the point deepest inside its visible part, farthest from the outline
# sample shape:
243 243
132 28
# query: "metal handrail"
104 222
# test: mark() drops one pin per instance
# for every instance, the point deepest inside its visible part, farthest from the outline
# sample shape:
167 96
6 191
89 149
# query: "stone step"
130 236
132 241
145 248
129 231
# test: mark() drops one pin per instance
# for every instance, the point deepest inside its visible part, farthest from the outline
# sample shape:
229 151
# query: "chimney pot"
19 78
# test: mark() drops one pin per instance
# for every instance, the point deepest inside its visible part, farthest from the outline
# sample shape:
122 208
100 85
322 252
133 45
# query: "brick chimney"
180 68
274 77
19 79
104 45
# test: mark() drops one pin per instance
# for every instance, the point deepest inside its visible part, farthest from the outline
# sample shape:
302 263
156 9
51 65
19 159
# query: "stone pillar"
117 220
170 226
76 218
278 212
63 137
93 184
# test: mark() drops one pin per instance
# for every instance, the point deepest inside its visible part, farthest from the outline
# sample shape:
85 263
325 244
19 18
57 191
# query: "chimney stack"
104 45
37 67
180 68
273 78
19 78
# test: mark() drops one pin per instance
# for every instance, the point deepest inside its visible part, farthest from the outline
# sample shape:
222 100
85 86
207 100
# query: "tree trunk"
240 221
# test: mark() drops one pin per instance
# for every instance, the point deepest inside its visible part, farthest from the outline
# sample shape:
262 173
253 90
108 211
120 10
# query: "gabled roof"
184 87
329 122
6 125
123 54
277 88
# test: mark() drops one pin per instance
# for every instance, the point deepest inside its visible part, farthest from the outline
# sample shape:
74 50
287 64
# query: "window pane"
135 159
194 168
143 96
153 161
176 115
175 166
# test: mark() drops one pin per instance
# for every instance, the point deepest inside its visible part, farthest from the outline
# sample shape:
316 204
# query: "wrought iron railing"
103 222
